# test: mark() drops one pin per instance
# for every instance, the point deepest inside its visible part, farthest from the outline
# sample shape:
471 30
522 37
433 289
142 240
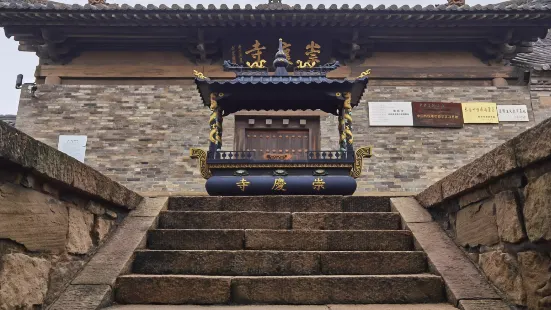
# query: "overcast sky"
13 62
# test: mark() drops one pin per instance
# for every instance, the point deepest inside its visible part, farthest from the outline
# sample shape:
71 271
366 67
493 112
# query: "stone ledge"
20 149
461 278
84 297
527 148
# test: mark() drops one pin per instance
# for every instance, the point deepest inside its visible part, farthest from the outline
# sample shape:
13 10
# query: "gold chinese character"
243 184
287 50
279 185
256 53
312 51
318 184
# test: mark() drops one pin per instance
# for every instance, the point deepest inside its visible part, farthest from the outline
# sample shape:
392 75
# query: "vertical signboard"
513 113
390 114
74 146
480 113
437 114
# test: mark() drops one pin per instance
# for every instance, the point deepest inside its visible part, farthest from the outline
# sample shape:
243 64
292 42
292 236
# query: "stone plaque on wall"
513 113
480 113
390 114
74 146
437 114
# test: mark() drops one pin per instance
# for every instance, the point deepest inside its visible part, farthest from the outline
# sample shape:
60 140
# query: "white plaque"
74 146
512 113
390 114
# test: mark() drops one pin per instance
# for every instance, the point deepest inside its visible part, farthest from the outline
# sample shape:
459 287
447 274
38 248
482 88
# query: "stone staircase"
279 250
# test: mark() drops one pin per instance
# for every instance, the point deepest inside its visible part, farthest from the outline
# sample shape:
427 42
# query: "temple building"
447 83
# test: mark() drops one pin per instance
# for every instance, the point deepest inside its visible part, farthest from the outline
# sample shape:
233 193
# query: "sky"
13 62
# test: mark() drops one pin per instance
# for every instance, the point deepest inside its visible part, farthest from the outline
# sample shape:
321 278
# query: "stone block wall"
498 210
140 135
54 213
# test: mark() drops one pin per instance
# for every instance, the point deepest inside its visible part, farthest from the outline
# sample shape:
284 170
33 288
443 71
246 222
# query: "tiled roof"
10 119
539 59
506 6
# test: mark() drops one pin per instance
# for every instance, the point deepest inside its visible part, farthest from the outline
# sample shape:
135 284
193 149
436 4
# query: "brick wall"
141 135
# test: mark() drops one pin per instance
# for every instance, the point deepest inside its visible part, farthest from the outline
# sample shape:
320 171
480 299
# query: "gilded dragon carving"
201 155
361 153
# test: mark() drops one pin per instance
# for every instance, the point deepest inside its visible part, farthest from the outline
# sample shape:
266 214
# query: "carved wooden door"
278 144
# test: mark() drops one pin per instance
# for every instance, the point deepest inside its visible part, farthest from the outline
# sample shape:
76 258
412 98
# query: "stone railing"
498 209
54 213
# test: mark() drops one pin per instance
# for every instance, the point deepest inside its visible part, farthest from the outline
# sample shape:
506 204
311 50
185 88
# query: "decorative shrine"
254 172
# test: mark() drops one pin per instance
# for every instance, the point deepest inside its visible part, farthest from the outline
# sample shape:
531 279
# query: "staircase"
279 250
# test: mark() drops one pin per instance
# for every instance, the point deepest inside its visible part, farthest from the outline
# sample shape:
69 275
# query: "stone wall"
141 135
54 213
498 209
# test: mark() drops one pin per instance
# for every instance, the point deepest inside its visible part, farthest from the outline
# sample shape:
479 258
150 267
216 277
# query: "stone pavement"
281 307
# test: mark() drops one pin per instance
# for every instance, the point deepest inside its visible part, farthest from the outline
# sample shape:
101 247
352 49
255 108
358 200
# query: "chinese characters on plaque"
480 112
390 114
512 113
437 114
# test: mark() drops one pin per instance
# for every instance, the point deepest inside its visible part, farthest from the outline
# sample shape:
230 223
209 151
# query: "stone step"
346 221
440 306
224 220
281 203
297 240
306 290
273 263
279 220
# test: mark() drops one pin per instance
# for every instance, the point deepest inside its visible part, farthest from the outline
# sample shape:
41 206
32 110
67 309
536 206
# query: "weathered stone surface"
169 239
473 196
84 297
462 279
329 240
224 220
33 219
115 255
102 227
534 144
510 181
338 289
431 196
151 206
410 210
95 208
64 269
485 304
173 289
502 269
195 203
227 263
346 221
23 150
507 217
537 208
476 225
535 274
80 230
490 165
283 203
23 281
365 204
383 262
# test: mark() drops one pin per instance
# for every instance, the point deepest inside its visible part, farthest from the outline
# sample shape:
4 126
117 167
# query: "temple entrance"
284 144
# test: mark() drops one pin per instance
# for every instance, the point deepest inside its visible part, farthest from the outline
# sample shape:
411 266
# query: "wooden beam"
215 71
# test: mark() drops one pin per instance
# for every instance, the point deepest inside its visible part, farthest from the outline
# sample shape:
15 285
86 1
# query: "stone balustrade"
498 210
54 213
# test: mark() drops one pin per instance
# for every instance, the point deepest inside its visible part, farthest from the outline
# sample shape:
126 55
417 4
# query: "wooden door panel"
293 142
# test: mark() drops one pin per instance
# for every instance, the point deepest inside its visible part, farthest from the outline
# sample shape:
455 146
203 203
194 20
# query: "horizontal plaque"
437 114
480 113
513 113
273 156
390 114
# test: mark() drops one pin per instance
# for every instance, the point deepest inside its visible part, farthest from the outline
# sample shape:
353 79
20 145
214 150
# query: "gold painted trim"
203 166
275 166
361 153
